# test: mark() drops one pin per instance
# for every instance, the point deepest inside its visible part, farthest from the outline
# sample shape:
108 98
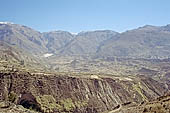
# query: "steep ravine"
78 94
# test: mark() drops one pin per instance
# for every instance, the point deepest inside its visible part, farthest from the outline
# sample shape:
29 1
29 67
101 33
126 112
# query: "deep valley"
99 71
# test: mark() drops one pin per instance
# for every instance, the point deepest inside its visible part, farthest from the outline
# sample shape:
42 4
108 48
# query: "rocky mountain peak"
166 28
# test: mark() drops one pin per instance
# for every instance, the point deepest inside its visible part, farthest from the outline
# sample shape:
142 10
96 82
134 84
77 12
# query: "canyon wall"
78 94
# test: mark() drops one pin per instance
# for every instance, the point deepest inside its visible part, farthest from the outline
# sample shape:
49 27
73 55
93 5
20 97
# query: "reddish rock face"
100 94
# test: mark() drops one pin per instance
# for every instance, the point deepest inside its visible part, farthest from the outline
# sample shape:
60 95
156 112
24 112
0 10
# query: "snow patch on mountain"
47 55
74 33
6 23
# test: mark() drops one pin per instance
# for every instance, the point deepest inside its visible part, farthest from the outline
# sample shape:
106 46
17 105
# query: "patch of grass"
12 97
48 104
67 105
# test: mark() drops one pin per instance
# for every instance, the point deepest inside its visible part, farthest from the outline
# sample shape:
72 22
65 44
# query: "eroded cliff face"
159 105
85 94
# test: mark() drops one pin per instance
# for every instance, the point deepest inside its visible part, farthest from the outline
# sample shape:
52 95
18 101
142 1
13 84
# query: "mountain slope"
12 58
87 42
148 42
12 54
159 105
57 40
22 37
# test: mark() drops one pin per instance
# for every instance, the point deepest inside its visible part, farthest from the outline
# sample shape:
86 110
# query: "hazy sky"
83 15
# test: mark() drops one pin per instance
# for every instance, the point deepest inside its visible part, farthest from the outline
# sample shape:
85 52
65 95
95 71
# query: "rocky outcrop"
78 94
159 105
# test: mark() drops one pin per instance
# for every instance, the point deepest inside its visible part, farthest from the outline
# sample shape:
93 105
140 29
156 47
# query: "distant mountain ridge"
57 39
87 42
144 42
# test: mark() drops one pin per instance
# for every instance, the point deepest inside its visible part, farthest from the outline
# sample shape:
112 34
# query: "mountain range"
93 71
152 42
